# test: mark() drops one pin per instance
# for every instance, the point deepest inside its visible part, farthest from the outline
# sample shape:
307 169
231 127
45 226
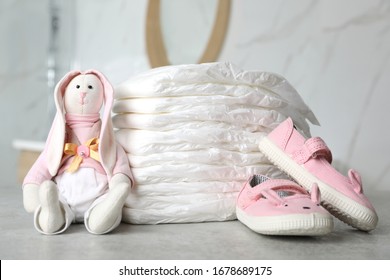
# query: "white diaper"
81 190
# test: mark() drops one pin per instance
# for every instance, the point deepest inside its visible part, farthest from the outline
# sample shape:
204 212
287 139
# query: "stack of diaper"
191 133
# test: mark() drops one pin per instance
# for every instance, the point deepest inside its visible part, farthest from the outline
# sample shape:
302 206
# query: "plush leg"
51 216
104 215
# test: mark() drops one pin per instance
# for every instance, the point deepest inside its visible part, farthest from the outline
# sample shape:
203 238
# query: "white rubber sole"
313 224
341 206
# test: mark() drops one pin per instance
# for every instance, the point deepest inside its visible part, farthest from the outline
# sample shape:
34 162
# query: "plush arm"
30 197
39 172
36 175
118 179
122 165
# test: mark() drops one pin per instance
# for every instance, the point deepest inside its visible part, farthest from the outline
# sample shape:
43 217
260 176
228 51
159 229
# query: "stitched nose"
82 97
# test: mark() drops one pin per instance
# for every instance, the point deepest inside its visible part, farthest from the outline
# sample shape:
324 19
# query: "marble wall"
335 53
24 29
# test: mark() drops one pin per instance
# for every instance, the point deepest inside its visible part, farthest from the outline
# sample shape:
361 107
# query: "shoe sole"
338 204
313 224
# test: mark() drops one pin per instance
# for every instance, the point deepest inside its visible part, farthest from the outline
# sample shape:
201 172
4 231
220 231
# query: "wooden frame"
155 42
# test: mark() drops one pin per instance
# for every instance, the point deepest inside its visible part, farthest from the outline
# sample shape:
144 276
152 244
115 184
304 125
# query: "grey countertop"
197 241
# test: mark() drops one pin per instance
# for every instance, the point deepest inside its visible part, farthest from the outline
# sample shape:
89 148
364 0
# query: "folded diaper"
213 156
196 172
175 104
191 125
185 209
144 142
239 116
191 133
182 188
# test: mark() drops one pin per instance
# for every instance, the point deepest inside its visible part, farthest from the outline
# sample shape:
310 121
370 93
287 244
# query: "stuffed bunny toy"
82 175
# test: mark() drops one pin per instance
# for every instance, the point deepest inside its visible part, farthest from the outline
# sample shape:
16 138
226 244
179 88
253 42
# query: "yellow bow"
89 149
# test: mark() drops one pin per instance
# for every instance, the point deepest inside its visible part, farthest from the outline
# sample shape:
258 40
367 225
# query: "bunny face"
84 95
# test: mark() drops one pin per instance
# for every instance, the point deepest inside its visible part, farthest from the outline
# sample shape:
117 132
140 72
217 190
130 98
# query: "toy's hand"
30 197
118 179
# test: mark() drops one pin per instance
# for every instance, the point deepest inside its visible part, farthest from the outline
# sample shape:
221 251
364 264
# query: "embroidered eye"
78 86
90 87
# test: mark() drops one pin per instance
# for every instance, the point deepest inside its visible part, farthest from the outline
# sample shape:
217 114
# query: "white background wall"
334 52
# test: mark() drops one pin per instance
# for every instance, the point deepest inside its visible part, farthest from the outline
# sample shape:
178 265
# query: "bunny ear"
315 193
356 181
107 146
55 141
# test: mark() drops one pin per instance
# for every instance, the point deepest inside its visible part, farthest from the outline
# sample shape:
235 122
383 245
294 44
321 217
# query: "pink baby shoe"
308 161
281 207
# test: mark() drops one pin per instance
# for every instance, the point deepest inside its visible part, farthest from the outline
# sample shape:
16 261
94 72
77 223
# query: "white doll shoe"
49 216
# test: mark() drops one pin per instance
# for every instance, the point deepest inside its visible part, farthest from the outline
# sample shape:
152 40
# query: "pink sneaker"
281 207
308 161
